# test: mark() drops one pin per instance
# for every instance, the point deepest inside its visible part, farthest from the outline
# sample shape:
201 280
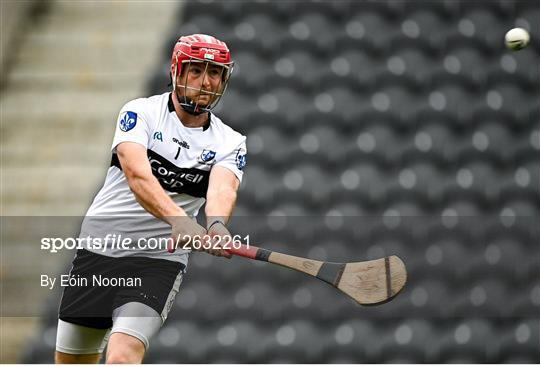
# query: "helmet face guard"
200 49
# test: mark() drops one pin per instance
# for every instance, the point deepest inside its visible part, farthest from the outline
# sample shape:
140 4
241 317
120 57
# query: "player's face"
203 80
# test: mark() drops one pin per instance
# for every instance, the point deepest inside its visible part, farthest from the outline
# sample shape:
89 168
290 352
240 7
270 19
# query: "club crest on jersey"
128 121
241 160
207 156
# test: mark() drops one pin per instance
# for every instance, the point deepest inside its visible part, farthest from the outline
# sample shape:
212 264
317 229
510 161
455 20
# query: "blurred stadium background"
374 128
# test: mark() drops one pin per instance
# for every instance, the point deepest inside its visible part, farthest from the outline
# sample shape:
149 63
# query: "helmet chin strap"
190 106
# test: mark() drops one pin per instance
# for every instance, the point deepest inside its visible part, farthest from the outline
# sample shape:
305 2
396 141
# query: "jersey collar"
170 106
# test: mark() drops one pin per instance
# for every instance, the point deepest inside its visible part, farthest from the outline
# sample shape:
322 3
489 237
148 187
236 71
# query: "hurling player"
170 155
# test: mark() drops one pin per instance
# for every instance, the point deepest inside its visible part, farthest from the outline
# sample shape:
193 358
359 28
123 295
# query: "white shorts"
142 323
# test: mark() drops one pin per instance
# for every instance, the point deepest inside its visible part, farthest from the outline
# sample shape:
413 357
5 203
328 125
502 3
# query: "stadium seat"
518 215
519 341
521 183
264 304
507 256
459 103
324 145
414 66
304 301
267 34
472 66
475 180
516 68
307 69
354 67
417 182
182 341
529 14
467 340
304 33
445 9
237 341
397 102
482 297
287 106
422 26
525 68
379 30
408 340
251 71
487 26
245 108
195 292
296 339
382 143
236 11
333 11
260 187
356 338
276 145
429 142
429 297
446 258
334 106
307 183
526 300
527 150
370 191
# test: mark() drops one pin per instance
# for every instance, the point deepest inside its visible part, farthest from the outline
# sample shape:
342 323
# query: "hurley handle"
251 252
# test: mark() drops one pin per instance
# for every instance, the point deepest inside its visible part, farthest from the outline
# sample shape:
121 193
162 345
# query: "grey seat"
519 341
295 339
466 340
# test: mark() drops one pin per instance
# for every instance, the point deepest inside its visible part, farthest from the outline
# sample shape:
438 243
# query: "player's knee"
66 358
124 349
120 358
124 356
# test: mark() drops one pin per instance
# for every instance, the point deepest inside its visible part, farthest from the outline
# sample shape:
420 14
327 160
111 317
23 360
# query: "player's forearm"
153 199
220 204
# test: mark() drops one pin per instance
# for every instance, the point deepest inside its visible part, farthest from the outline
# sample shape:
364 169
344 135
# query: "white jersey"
181 159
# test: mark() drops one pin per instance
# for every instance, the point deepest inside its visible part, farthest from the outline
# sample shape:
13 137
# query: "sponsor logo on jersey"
158 136
181 180
207 156
241 159
172 178
183 144
128 121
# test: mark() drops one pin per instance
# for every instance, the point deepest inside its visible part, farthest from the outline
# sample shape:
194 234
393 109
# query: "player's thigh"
79 344
141 311
134 324
124 348
133 321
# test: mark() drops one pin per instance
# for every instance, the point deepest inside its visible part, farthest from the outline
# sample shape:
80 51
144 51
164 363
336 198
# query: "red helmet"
206 49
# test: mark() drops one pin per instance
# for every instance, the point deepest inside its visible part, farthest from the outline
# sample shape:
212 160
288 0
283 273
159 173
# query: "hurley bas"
95 280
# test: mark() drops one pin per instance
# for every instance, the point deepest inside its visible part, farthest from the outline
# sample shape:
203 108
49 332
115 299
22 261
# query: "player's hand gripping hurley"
368 283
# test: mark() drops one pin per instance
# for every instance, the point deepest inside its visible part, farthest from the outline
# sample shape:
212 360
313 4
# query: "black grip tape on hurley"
262 254
331 272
